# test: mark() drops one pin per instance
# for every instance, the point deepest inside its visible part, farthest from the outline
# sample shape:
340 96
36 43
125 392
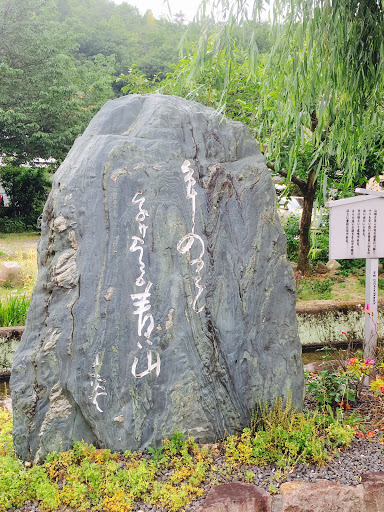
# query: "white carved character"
150 366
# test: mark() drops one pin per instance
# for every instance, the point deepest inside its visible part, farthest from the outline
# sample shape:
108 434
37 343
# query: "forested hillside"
59 61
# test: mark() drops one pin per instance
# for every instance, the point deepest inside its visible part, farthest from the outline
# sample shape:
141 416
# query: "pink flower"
345 334
367 307
352 361
369 361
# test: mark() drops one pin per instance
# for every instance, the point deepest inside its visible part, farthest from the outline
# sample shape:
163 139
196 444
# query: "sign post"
370 330
354 233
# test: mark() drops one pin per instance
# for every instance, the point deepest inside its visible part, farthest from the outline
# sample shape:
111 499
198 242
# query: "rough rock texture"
373 484
165 301
321 268
321 496
333 265
236 497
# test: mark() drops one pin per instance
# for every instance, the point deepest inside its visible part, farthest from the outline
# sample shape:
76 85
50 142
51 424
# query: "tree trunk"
305 224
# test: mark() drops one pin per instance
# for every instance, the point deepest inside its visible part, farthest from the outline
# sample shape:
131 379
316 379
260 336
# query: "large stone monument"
165 301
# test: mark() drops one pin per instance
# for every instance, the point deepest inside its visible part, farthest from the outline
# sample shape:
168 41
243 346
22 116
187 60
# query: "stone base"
322 496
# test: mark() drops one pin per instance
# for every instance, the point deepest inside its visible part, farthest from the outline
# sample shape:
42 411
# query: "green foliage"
101 27
47 95
136 82
12 483
358 368
233 94
272 489
285 437
377 386
313 289
339 431
8 225
13 310
12 474
40 488
292 232
249 476
320 241
6 443
332 387
316 107
27 190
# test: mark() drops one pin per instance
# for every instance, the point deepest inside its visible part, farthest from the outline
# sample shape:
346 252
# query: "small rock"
11 273
374 185
236 497
321 496
333 265
321 268
6 403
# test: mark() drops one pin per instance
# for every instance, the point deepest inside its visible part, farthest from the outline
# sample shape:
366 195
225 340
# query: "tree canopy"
319 89
59 61
46 95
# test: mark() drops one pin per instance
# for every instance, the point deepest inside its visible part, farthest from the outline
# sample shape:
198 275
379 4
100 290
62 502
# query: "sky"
158 7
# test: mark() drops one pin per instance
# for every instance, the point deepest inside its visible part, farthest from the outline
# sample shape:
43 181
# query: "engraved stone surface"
165 301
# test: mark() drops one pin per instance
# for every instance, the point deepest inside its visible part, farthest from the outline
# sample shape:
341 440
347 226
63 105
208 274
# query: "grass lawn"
20 247
12 243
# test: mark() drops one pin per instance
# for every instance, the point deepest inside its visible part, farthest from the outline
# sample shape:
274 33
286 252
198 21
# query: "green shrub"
12 483
332 387
320 243
286 437
350 266
8 225
292 232
27 190
13 310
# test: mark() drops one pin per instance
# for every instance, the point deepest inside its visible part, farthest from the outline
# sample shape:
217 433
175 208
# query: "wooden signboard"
354 232
353 228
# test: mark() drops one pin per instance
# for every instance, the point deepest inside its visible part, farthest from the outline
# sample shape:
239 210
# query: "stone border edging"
12 332
298 496
325 306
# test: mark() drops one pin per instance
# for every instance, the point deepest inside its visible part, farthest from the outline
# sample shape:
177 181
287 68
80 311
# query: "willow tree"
321 85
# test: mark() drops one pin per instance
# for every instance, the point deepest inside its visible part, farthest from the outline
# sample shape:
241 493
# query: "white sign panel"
354 230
